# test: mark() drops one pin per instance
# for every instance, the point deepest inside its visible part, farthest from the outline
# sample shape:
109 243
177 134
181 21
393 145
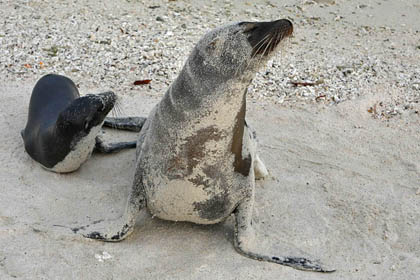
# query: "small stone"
102 257
393 267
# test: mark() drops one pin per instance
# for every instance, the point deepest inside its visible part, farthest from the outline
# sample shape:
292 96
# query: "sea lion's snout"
284 26
108 100
284 23
264 37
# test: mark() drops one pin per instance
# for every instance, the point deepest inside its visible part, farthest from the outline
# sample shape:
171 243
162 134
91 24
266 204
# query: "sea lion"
62 127
196 156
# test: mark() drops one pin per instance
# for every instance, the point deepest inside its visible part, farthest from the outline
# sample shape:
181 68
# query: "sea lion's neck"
200 93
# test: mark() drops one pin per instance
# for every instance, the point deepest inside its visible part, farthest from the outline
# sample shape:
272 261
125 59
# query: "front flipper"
119 229
102 147
244 240
128 123
109 231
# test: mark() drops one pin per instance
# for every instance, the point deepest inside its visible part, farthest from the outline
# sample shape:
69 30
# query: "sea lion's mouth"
264 37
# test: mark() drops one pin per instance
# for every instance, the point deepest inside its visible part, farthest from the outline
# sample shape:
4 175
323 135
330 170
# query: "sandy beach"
343 152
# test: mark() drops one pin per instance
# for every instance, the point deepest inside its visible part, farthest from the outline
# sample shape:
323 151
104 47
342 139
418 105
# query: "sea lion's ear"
213 44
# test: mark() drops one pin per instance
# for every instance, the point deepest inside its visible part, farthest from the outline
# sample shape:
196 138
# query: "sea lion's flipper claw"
127 123
244 240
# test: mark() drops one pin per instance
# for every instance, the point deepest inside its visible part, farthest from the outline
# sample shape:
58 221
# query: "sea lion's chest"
78 154
188 171
192 179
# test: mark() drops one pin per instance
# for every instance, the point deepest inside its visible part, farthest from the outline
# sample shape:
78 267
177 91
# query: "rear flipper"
129 123
102 147
244 240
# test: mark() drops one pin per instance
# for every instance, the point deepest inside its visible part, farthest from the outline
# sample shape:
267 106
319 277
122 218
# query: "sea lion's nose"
285 25
285 22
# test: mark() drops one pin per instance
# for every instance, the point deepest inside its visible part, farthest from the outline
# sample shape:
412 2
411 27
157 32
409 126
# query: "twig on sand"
305 84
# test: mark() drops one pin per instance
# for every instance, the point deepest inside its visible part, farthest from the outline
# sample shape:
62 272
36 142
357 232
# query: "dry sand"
344 186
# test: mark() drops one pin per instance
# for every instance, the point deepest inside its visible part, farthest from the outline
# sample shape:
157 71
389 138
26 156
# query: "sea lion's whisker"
277 41
117 110
264 53
255 53
260 43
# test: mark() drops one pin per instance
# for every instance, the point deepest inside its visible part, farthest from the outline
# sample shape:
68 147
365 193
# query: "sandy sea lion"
196 156
62 127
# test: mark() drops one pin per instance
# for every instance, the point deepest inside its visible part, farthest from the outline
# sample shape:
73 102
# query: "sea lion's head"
85 113
238 50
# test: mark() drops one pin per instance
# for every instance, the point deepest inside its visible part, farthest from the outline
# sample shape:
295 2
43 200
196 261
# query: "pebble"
108 47
102 257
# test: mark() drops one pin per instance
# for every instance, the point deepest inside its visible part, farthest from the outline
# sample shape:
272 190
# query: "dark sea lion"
196 156
62 127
